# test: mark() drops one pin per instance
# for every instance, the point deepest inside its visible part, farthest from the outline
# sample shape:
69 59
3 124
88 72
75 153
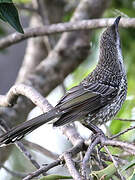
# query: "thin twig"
20 146
87 156
63 27
43 170
73 151
123 145
114 162
27 154
100 162
116 157
122 119
122 132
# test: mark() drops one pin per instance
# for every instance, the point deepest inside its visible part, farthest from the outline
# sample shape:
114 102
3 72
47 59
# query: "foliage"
105 173
9 13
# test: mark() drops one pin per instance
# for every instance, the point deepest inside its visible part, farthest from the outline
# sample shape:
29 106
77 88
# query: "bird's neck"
110 69
110 59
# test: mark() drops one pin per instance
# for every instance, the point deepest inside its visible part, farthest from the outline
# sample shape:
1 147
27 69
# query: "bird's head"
110 49
110 36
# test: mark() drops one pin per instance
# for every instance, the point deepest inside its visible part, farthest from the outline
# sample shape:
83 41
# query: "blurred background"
11 60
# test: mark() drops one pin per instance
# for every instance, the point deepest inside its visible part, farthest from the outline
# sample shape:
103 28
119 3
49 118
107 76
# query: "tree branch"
71 167
63 27
27 91
87 156
43 170
123 119
70 51
66 157
123 145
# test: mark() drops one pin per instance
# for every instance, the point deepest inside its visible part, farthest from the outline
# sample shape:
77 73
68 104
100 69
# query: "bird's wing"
77 102
83 99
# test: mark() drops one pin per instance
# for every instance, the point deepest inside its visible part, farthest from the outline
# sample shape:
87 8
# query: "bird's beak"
116 22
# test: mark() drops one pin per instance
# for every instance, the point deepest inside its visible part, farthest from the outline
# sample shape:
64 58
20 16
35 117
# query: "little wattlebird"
95 100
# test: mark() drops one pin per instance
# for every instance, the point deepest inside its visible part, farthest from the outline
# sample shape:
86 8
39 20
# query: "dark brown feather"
84 99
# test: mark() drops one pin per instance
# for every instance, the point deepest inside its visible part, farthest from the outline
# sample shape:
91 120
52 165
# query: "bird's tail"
21 130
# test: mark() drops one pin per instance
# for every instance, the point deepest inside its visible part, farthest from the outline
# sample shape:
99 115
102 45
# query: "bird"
95 100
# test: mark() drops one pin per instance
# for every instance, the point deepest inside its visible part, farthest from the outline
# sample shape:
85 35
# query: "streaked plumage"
95 100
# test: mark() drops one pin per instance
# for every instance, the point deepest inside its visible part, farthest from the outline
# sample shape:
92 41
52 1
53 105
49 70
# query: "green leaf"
55 177
9 13
129 165
104 173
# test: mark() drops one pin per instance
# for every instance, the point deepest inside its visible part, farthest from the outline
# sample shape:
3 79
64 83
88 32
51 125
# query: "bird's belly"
105 114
